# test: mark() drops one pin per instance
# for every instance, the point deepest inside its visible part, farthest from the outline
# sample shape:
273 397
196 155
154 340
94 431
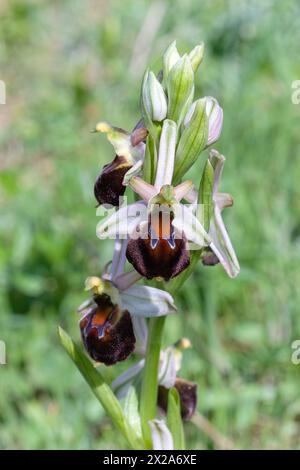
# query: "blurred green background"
68 64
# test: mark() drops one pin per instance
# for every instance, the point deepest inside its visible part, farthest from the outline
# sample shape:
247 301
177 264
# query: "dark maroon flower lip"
107 332
109 186
160 254
188 397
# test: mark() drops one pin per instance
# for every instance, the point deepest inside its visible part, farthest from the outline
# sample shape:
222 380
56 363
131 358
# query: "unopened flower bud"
215 119
214 114
180 83
196 56
193 139
170 58
153 98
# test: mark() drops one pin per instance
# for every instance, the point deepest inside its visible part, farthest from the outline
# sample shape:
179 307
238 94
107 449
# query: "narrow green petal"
192 141
206 194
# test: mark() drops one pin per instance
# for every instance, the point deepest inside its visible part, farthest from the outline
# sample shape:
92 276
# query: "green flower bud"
180 83
196 56
193 140
153 98
170 58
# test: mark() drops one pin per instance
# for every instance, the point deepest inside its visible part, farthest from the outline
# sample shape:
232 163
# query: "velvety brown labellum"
187 394
209 258
108 187
160 255
107 332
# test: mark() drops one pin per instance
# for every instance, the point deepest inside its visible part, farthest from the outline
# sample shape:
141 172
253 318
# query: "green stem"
100 389
148 402
149 390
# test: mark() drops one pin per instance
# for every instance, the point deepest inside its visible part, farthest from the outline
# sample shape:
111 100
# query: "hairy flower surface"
111 317
107 331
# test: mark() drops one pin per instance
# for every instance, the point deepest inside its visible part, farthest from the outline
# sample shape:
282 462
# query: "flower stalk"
149 390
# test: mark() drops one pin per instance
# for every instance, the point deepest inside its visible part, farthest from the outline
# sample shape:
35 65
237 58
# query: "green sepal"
205 195
149 124
192 141
150 161
196 56
180 83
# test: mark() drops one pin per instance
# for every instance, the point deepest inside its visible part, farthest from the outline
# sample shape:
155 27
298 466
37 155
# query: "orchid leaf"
99 387
131 413
174 420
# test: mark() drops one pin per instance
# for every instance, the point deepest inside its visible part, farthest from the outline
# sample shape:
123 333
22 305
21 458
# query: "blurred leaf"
131 413
174 420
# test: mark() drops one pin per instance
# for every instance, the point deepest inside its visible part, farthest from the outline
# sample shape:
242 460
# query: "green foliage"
103 392
174 420
64 64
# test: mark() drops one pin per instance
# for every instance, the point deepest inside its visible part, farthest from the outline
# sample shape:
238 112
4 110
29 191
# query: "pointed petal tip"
236 272
214 153
145 190
183 189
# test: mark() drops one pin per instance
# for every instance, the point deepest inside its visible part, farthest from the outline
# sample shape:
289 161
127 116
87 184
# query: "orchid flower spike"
155 234
160 226
130 150
114 315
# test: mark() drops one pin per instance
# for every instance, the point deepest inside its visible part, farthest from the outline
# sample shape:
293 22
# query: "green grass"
66 66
